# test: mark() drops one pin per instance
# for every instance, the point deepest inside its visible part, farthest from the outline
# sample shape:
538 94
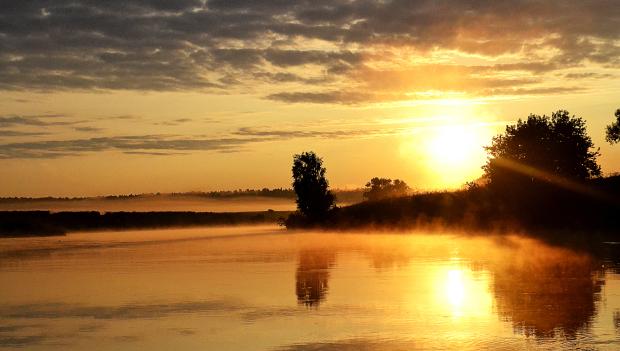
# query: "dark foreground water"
261 288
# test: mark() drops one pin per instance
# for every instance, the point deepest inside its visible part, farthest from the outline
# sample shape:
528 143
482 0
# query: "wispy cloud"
588 75
88 129
123 117
144 144
166 145
40 120
299 133
17 133
154 153
174 122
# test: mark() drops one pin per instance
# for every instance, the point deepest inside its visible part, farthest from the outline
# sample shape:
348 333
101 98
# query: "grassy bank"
545 211
45 223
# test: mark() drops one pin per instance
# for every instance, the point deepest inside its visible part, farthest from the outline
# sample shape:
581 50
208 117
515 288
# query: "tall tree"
613 130
542 148
314 199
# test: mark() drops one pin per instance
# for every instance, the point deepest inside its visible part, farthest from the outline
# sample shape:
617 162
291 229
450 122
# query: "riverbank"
46 223
544 211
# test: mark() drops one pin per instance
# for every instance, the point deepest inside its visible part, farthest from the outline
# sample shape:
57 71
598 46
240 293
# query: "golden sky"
145 96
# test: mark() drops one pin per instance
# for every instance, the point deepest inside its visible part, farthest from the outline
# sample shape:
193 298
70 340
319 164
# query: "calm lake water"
262 288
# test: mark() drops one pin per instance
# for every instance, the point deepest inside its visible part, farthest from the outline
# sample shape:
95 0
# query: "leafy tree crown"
612 134
381 188
314 199
556 145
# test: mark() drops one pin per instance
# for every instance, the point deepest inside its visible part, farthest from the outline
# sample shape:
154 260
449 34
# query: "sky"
117 97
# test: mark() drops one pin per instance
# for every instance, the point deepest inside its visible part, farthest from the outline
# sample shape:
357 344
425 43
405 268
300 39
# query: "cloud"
184 331
588 75
435 78
14 120
35 125
174 122
533 91
166 145
127 338
124 117
88 129
154 153
12 335
320 46
21 341
296 133
143 144
17 133
285 77
332 97
331 59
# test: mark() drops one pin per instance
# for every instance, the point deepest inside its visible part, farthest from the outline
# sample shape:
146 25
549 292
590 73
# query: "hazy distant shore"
217 201
46 223
42 216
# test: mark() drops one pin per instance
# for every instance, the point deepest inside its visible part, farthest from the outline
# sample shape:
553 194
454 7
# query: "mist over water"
153 203
263 288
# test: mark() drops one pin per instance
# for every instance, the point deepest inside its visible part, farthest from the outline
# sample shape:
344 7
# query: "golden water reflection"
543 291
463 295
203 288
550 291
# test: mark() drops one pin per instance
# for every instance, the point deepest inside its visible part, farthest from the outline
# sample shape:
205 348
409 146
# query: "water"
261 288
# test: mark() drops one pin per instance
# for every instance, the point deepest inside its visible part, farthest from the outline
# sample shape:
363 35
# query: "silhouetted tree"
382 188
314 199
541 148
613 130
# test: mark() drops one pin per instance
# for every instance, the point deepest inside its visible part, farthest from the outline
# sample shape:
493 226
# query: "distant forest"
354 195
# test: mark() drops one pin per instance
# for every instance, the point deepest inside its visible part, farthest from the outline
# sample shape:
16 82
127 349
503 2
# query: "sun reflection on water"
455 291
462 293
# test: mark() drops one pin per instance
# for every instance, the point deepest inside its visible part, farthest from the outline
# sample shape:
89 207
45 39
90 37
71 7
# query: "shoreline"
46 223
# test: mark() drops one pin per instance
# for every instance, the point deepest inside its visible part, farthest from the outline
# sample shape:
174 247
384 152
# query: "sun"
455 153
454 145
446 142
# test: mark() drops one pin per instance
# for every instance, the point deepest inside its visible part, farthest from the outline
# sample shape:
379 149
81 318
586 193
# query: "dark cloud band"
219 45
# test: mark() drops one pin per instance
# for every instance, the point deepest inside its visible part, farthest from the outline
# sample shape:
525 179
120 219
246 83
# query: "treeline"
41 223
265 192
283 193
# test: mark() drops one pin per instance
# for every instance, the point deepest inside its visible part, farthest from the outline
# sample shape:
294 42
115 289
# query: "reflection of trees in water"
610 252
312 276
544 291
384 258
550 294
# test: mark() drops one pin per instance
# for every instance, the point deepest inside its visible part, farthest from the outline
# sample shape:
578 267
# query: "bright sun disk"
454 145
